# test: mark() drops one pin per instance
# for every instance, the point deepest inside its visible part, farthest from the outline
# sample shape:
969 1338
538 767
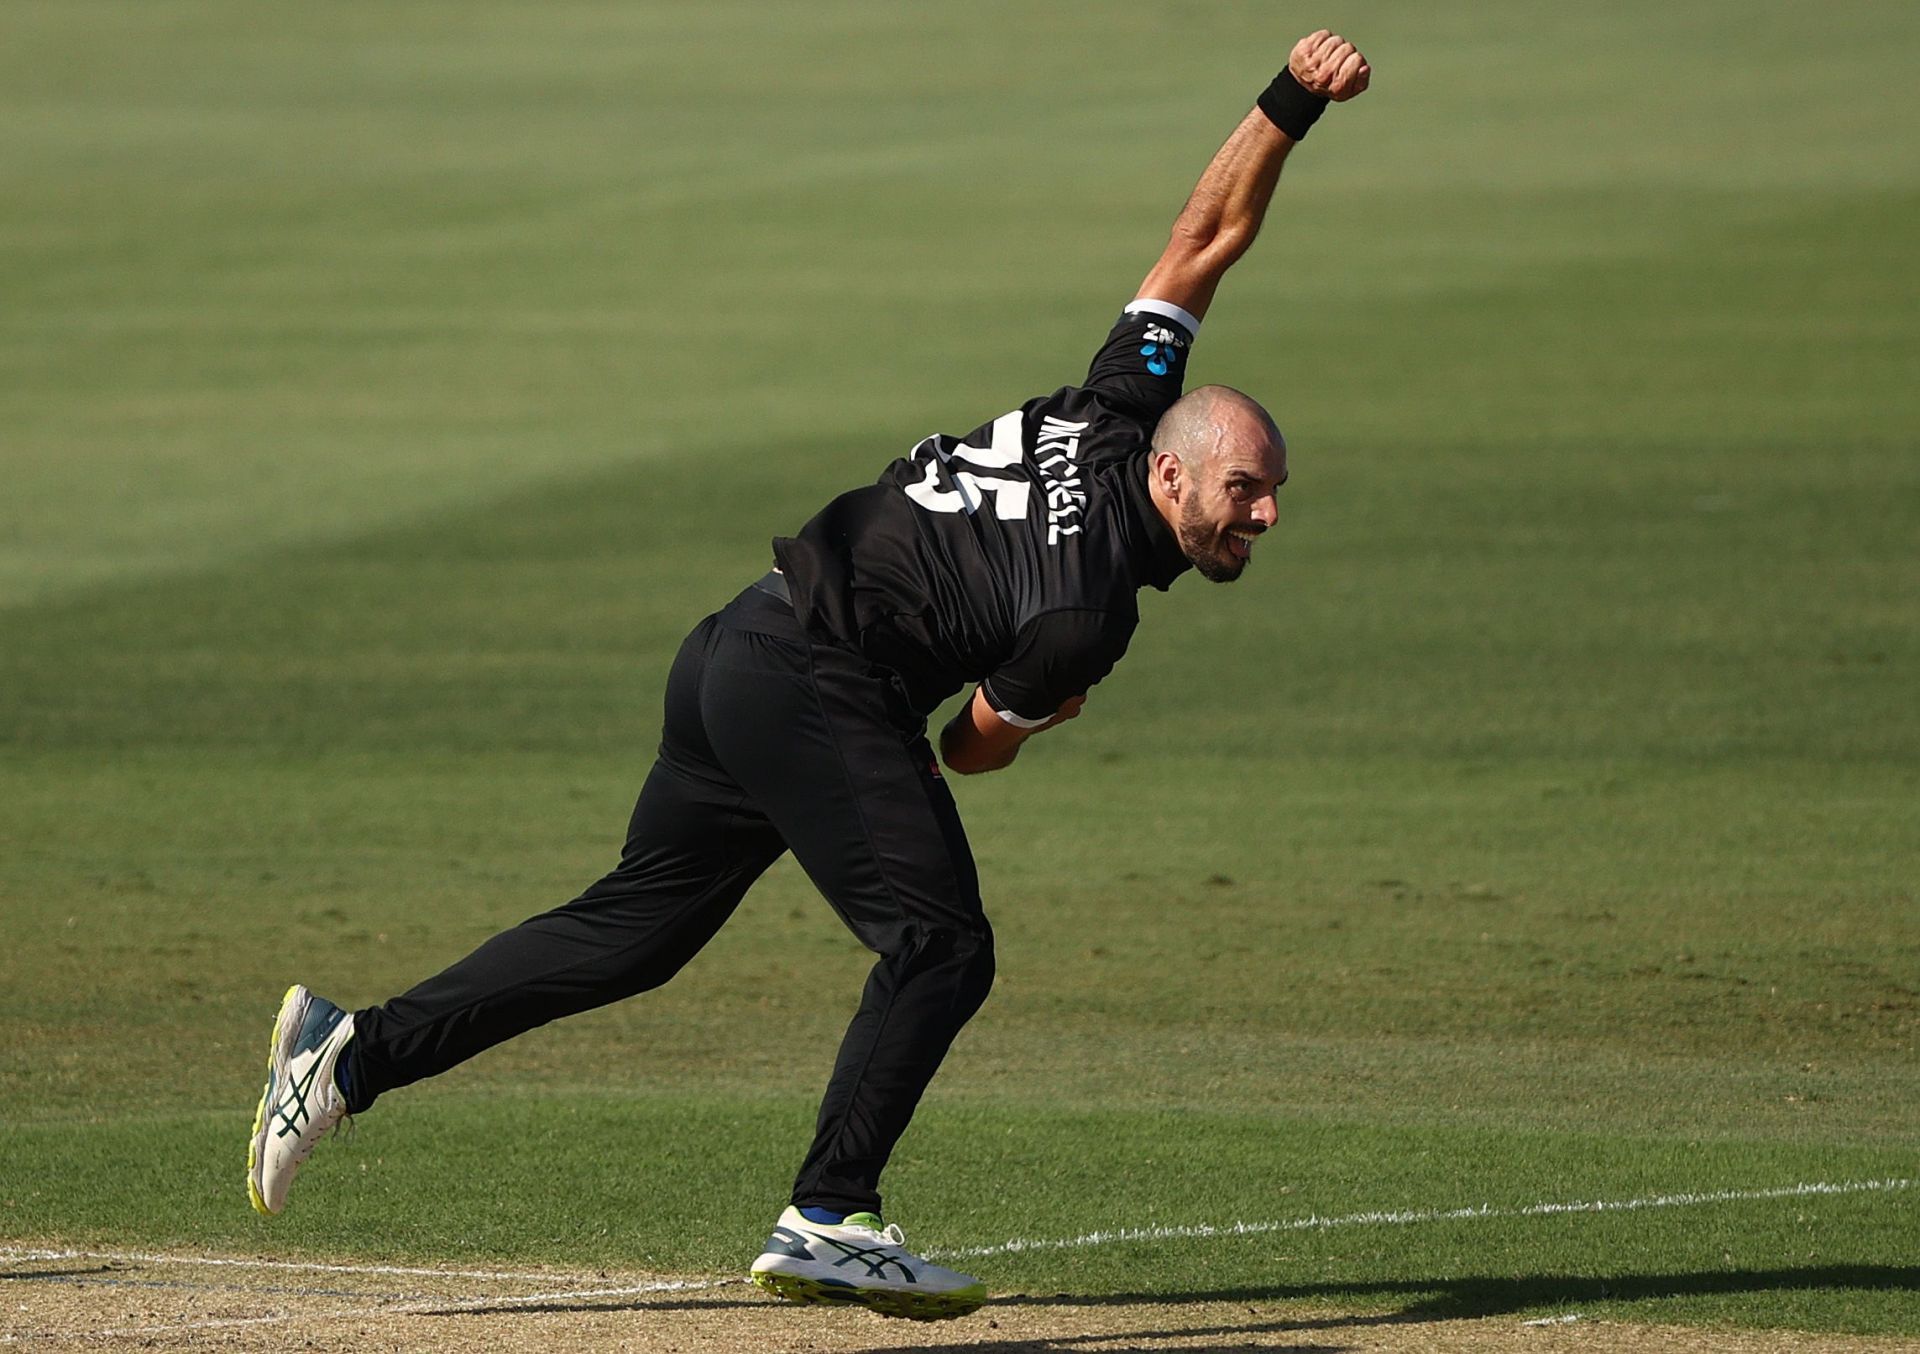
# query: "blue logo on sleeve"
1161 349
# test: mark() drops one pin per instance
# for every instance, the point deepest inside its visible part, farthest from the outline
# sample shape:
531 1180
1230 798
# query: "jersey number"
962 461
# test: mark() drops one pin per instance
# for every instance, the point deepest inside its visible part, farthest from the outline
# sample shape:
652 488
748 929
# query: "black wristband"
1290 107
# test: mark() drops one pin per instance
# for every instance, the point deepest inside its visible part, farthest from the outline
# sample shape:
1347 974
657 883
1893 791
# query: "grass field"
383 393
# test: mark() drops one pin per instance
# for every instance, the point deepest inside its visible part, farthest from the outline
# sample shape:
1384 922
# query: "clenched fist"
1328 65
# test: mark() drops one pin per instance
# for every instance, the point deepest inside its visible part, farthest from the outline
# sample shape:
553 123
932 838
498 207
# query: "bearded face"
1226 504
1218 552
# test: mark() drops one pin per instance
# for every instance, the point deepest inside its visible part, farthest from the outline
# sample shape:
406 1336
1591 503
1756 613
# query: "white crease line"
411 1307
1412 1216
306 1267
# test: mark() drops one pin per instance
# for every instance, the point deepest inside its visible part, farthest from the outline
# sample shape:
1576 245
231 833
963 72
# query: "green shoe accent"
260 1110
864 1220
887 1302
925 1306
809 1292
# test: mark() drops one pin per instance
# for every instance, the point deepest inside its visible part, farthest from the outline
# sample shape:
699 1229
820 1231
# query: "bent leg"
857 796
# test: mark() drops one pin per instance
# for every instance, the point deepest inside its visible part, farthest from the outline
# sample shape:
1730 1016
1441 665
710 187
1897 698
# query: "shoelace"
892 1234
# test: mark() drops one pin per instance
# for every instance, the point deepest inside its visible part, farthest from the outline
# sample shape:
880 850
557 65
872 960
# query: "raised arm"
1230 201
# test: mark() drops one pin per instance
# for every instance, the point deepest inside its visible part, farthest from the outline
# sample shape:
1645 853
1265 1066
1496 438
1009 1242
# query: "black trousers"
771 743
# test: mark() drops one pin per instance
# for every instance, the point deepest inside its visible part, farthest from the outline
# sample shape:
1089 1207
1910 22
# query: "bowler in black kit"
1006 560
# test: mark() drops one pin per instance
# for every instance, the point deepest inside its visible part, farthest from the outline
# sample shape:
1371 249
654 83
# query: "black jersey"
1009 556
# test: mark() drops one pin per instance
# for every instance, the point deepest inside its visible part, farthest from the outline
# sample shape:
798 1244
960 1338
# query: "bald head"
1216 464
1206 419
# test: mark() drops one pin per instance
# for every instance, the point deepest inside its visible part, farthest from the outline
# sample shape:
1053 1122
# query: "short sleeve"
1143 363
1056 656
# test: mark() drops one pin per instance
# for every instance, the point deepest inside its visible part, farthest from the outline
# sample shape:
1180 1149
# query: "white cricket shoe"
301 1101
856 1263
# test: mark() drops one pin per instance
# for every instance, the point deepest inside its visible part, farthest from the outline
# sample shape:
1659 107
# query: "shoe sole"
284 1033
903 1303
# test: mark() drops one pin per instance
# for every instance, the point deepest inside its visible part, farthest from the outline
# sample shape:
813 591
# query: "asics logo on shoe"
292 1110
788 1243
850 1254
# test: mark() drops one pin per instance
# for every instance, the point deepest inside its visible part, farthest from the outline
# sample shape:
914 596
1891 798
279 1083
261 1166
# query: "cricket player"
796 720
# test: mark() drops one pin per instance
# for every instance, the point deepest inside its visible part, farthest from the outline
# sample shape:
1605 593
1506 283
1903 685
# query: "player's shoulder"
1096 424
1098 404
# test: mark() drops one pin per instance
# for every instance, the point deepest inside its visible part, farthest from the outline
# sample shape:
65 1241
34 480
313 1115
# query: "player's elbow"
972 761
1212 245
969 754
957 756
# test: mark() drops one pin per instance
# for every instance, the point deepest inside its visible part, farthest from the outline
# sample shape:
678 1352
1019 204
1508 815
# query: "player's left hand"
1328 65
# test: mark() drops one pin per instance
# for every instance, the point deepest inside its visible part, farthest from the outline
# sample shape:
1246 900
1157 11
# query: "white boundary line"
1411 1216
420 1306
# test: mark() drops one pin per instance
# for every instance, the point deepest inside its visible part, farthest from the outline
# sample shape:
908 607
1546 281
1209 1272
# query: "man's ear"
1168 475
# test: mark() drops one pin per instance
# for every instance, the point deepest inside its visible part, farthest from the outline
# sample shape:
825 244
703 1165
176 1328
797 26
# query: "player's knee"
973 949
964 951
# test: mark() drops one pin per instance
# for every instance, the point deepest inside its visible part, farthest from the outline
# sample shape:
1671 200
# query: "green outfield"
384 392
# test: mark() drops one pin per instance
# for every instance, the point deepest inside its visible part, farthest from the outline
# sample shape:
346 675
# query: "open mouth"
1240 543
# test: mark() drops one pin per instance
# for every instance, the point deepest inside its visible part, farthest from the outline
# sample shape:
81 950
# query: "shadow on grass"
968 1331
1460 1299
1470 1297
